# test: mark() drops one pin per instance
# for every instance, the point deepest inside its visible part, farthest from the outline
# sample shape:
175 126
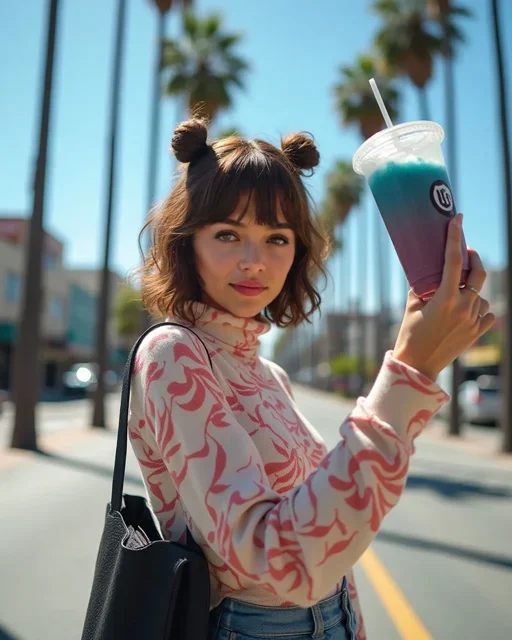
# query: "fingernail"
458 220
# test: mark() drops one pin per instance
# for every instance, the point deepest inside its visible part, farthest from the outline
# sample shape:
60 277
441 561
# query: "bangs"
230 177
253 178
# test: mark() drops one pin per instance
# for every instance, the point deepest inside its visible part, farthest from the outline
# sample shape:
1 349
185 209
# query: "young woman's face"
243 265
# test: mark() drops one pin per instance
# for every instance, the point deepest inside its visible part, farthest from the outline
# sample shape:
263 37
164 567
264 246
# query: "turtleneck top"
228 453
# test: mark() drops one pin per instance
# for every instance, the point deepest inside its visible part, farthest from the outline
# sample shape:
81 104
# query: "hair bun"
301 150
189 140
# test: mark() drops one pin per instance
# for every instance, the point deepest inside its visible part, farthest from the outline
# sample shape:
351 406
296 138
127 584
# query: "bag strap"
122 432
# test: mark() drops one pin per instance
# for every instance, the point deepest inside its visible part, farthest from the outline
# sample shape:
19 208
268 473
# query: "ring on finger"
468 286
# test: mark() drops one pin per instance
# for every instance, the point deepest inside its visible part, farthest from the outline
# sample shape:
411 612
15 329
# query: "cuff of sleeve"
404 398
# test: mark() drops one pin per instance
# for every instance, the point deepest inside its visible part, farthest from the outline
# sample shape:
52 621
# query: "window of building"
12 287
50 261
56 307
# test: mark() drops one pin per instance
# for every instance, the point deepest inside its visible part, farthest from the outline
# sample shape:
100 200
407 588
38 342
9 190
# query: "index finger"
452 257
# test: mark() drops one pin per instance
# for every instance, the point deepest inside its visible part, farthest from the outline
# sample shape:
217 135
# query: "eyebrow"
237 223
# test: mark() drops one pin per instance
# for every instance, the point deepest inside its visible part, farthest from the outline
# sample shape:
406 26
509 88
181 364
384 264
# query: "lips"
249 288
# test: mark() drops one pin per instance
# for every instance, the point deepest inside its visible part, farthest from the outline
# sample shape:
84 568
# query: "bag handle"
122 432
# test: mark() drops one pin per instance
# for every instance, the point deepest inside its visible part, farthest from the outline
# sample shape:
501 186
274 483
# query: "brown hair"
217 176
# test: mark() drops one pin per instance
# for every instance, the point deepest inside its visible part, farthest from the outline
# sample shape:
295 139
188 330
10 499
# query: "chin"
249 308
245 311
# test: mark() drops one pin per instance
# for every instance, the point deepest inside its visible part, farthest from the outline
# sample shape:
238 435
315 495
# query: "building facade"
69 304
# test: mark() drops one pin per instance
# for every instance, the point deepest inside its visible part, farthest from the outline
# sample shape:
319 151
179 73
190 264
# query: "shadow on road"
6 635
82 465
456 489
484 557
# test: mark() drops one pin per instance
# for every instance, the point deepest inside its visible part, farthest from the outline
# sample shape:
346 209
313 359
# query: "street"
441 567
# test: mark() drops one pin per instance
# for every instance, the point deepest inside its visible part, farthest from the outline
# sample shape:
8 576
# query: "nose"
252 259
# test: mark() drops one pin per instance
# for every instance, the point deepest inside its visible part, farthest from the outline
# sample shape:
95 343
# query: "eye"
280 240
222 236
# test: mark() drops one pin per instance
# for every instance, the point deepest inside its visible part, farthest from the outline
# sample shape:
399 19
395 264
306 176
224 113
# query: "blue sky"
295 48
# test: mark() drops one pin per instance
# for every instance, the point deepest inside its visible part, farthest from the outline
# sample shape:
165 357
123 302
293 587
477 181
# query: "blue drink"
411 187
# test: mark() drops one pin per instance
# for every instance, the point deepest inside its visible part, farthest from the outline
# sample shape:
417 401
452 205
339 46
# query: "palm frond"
385 7
202 64
461 12
191 24
211 25
228 41
172 55
178 83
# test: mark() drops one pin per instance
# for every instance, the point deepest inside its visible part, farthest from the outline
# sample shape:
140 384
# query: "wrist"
425 369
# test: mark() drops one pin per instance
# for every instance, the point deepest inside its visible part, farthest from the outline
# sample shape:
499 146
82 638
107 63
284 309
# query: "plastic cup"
406 172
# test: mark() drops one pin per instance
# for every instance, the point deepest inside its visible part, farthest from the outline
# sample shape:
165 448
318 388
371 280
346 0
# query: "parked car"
479 400
81 379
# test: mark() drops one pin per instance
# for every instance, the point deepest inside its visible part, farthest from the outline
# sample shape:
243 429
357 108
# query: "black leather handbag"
144 587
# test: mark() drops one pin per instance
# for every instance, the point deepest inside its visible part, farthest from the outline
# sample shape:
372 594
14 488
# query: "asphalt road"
440 568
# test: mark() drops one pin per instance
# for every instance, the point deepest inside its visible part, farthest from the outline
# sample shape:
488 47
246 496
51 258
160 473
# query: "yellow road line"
408 624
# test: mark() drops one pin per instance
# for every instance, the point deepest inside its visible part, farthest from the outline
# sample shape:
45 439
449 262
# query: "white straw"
380 102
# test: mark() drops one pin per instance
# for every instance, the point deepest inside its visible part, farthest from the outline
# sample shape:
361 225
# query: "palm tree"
356 105
407 43
102 346
506 422
355 101
163 8
26 380
202 66
447 15
344 190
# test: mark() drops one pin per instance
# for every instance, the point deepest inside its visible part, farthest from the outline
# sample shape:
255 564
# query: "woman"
225 450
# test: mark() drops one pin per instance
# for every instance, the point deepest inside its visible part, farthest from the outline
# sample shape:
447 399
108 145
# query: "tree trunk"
361 297
154 138
26 378
423 103
380 268
102 342
454 428
347 279
506 389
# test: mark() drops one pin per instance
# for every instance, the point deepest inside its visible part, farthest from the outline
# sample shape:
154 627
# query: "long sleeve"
296 545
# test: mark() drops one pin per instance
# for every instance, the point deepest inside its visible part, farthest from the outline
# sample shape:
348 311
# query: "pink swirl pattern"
229 454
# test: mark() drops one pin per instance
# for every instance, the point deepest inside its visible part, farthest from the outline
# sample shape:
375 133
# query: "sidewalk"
67 433
484 442
61 427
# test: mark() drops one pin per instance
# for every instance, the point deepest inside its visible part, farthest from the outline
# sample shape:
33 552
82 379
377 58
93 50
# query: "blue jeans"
330 619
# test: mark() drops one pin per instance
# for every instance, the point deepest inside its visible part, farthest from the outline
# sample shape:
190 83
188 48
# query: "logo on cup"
442 198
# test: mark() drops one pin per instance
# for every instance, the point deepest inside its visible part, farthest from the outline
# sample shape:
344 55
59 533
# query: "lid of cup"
400 138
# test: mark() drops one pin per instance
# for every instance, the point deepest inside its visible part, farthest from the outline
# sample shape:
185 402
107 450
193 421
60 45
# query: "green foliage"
448 24
128 312
202 66
354 98
344 365
406 40
345 187
344 191
413 32
228 132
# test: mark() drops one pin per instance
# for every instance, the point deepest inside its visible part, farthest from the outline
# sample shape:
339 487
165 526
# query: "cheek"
213 261
282 262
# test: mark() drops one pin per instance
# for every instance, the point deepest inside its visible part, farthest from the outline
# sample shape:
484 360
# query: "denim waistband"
279 622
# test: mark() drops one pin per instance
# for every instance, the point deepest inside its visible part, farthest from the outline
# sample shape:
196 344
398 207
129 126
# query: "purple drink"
405 169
